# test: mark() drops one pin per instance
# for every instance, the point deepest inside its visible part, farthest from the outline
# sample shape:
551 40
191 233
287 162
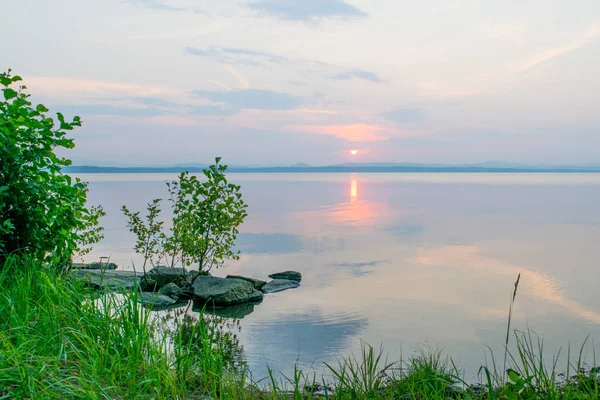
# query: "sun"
354 152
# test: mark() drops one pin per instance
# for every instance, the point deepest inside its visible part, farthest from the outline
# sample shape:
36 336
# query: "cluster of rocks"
163 287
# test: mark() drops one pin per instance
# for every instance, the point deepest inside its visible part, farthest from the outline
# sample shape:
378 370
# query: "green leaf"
41 108
513 376
10 93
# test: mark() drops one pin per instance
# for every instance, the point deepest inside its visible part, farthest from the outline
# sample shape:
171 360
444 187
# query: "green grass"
60 340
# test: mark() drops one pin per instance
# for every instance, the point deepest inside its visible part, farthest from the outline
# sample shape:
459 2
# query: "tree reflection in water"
210 337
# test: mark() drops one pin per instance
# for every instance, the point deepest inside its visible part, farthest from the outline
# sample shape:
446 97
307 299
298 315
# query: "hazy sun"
354 152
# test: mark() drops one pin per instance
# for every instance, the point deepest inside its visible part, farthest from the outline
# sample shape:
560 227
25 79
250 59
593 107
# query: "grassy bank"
60 340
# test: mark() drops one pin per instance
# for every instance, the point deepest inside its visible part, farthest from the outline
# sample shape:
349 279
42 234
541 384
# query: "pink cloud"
352 133
76 85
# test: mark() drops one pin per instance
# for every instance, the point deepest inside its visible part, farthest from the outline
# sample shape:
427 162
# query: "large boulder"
257 283
108 280
160 276
223 291
171 290
290 275
278 285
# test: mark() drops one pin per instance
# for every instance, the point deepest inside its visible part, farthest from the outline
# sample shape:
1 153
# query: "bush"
206 216
42 210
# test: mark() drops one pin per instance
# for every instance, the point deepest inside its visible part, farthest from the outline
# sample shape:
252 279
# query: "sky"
276 82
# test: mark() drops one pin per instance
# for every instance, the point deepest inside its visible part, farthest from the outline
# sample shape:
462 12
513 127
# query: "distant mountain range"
488 166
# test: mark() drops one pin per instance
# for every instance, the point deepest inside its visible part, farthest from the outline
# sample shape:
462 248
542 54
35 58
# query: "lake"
407 261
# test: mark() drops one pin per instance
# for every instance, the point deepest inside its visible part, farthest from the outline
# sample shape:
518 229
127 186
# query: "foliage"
362 377
56 343
42 210
206 216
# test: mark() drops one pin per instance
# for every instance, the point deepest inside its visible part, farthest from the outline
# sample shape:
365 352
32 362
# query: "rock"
290 275
108 280
155 299
94 265
171 290
187 293
223 291
256 282
194 273
159 276
278 285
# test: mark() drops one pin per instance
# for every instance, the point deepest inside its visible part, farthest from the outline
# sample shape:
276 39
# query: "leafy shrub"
43 211
206 216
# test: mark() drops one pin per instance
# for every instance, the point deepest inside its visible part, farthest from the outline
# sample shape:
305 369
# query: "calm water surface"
407 261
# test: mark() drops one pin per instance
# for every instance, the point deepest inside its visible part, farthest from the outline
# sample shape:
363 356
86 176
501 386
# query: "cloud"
238 75
208 110
352 133
156 4
403 115
155 101
107 109
150 107
512 32
404 230
359 74
248 99
477 84
230 55
307 10
75 88
591 34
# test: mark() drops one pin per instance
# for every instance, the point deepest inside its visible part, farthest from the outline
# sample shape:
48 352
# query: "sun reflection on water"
353 189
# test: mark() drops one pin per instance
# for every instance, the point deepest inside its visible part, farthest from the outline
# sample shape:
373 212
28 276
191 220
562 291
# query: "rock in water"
108 280
223 291
278 285
158 277
171 290
154 299
256 282
94 265
290 275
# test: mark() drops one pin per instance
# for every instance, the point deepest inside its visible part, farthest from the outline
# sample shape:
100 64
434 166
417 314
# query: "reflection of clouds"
351 207
350 217
306 337
357 213
541 286
359 268
268 243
